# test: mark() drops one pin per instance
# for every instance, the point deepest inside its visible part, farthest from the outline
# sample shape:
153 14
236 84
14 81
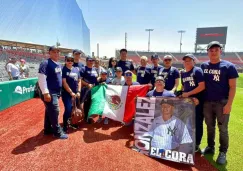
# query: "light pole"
149 30
181 32
125 40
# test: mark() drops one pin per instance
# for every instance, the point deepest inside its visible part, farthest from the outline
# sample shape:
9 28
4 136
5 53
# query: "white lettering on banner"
143 124
23 90
178 156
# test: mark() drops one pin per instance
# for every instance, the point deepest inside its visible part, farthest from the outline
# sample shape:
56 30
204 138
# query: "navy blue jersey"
170 75
191 78
78 65
155 73
165 93
89 75
53 72
125 65
217 79
143 75
72 76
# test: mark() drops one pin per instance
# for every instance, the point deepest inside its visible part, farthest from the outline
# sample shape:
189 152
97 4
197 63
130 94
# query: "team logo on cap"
114 102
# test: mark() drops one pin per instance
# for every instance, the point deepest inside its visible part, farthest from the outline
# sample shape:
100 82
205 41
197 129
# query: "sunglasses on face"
69 60
113 61
128 74
167 60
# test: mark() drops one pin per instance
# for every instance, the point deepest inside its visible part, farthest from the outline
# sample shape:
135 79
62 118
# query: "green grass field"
235 153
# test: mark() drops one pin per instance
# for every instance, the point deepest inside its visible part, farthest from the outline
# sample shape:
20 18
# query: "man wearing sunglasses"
76 55
124 63
89 77
155 68
170 74
128 79
50 82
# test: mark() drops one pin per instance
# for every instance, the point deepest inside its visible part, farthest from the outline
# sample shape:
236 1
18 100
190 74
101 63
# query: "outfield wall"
17 91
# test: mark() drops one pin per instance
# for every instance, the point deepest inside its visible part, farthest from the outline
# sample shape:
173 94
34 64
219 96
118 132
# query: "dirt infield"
93 147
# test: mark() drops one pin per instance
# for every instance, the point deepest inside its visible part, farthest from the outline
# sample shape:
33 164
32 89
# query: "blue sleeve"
64 73
199 75
43 68
149 94
82 72
176 74
232 72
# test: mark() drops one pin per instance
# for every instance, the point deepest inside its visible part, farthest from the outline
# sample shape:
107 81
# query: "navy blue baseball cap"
188 56
155 56
213 44
77 51
53 48
89 58
167 101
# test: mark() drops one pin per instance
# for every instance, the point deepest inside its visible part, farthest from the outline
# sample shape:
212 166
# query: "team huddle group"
213 85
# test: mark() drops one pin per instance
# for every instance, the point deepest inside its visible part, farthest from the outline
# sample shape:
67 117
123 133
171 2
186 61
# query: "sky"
45 21
108 21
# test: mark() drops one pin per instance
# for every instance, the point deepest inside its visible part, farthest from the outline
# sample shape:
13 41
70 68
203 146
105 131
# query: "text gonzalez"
171 155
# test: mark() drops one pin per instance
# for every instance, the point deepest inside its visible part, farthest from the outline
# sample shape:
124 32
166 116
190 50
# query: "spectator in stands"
13 69
171 74
89 77
71 89
220 81
143 72
24 69
77 56
155 68
119 79
124 63
97 66
128 79
111 68
159 90
50 82
193 85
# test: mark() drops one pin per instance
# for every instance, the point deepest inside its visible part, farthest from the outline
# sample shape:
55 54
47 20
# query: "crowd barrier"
17 91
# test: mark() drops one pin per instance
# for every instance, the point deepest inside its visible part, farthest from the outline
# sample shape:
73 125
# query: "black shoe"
208 150
74 126
221 158
65 129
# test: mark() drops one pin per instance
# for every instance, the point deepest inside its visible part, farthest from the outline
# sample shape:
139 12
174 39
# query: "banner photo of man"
165 128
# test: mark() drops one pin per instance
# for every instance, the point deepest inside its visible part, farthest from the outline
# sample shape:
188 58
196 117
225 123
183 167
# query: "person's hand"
150 86
47 97
195 100
185 94
227 109
78 95
90 86
73 94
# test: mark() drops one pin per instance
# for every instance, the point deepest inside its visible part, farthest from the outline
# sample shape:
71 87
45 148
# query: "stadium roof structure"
31 46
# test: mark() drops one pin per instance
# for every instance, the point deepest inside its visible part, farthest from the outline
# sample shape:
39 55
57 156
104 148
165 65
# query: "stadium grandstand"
32 53
234 57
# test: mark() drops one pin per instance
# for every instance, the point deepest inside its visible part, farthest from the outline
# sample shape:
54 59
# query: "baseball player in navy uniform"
50 82
171 74
220 82
193 85
168 132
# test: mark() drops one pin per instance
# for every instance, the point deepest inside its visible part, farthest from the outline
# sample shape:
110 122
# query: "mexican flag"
116 102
